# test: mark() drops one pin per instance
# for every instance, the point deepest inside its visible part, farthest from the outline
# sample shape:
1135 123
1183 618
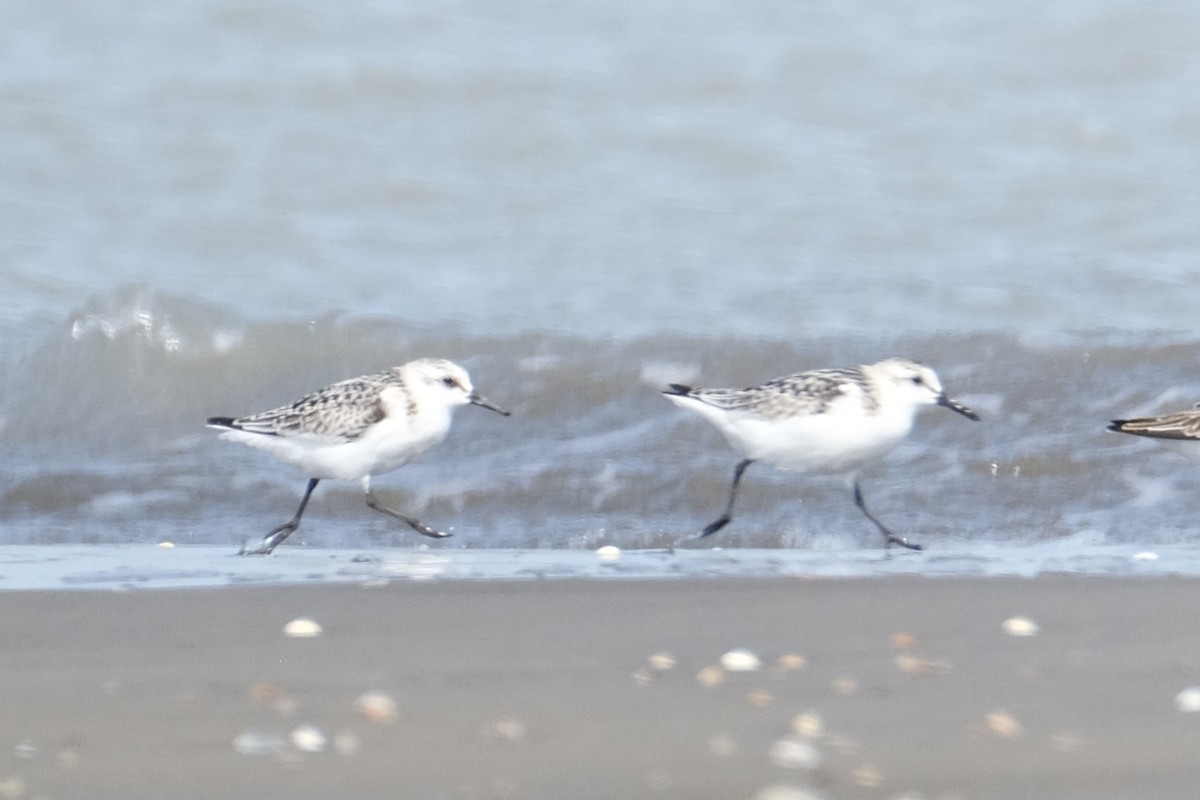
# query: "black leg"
891 537
415 524
724 519
277 535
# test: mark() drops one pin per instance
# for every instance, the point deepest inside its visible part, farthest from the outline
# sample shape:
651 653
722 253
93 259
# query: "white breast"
820 443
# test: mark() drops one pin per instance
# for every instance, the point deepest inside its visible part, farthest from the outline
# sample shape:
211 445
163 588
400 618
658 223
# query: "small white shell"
786 793
378 707
868 775
1004 725
810 725
608 553
793 753
302 628
661 662
309 739
790 661
1188 701
1020 626
741 660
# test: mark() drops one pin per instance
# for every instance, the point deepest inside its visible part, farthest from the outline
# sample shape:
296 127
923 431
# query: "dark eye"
449 382
916 379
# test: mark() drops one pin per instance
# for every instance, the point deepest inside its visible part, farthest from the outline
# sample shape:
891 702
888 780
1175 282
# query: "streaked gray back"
342 410
1181 425
804 393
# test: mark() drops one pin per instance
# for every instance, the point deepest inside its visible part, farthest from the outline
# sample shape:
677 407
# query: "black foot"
893 539
412 522
425 530
264 546
714 526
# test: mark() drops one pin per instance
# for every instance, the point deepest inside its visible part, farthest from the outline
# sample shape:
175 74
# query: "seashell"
302 628
809 725
608 554
791 661
786 793
1188 701
661 662
793 753
1004 725
309 739
378 707
740 660
868 775
1020 626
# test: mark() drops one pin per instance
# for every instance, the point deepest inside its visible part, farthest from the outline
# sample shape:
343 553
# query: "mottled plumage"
1180 426
357 428
813 392
344 410
821 421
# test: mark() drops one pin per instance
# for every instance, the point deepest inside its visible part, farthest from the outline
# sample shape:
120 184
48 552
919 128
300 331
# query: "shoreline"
868 688
122 567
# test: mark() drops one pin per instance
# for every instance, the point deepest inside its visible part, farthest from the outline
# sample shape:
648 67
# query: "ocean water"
211 207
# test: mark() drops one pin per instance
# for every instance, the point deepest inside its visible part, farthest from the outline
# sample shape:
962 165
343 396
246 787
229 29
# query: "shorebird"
823 421
357 428
1179 426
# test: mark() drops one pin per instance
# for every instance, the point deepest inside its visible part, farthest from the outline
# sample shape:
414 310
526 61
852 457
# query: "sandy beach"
867 688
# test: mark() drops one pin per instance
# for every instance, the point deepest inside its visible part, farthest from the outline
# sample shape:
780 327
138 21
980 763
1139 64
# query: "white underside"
832 442
383 448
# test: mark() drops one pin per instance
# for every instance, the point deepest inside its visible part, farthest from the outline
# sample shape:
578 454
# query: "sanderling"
822 421
357 428
1180 426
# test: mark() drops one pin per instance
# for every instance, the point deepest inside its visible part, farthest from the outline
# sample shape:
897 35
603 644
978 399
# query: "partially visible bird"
1179 426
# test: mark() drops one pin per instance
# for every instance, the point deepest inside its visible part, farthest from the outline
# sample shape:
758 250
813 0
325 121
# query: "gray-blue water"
214 206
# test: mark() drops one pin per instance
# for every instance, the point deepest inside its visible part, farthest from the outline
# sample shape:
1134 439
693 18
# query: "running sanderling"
357 428
823 421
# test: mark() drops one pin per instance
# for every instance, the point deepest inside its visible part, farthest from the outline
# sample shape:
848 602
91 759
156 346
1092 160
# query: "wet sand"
871 688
